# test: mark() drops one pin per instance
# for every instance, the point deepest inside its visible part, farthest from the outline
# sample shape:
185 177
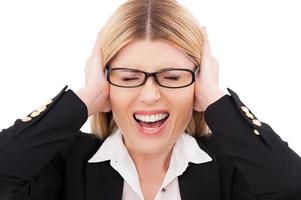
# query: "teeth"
151 118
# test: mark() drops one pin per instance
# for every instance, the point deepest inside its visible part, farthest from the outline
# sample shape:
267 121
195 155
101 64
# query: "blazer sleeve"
32 150
271 169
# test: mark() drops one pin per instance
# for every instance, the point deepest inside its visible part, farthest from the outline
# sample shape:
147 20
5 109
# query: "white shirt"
185 150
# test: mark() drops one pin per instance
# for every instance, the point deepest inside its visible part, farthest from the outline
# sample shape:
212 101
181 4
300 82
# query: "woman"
162 127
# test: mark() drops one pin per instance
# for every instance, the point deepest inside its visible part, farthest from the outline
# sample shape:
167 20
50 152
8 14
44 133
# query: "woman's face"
141 102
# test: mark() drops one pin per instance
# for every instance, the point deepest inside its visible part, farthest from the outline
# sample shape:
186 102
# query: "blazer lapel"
103 182
200 181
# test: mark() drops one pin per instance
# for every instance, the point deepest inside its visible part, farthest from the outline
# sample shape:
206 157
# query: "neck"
150 166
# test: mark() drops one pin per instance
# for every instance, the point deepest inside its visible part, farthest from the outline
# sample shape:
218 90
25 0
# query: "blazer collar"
186 149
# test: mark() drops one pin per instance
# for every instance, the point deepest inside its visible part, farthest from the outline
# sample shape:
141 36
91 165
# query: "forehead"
151 55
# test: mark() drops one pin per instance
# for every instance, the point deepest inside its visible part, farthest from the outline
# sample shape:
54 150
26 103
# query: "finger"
206 40
206 46
205 34
99 51
97 44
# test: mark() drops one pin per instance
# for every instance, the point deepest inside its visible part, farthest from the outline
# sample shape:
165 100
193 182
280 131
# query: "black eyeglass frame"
153 74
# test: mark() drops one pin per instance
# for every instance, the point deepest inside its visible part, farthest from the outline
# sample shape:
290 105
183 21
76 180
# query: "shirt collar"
186 148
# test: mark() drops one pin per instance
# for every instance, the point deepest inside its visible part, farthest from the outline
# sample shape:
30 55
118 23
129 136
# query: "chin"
150 148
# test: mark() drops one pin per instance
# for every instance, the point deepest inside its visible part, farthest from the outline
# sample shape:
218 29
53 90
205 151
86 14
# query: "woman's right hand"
95 93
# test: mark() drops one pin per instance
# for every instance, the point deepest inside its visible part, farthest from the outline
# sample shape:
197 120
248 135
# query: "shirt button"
163 190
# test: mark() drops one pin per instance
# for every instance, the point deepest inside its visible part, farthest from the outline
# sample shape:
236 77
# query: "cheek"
183 99
182 105
120 97
120 103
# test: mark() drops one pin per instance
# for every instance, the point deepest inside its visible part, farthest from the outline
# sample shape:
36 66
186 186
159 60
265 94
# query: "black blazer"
46 158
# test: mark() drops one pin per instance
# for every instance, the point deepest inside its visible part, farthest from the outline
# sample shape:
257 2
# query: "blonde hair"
151 20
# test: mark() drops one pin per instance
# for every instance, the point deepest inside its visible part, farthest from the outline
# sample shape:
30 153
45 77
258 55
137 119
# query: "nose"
149 92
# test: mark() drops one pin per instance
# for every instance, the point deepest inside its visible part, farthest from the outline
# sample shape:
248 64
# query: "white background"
44 46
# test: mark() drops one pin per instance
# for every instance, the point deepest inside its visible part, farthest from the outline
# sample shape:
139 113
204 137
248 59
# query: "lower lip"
156 132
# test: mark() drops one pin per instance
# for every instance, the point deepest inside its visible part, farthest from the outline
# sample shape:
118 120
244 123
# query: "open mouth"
151 124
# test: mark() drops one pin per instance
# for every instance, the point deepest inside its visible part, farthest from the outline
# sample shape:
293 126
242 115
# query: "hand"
207 90
95 93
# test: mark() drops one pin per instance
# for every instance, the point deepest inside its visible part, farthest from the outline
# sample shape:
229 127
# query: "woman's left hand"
207 90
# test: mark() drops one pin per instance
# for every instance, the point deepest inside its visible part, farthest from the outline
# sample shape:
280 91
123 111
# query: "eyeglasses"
167 77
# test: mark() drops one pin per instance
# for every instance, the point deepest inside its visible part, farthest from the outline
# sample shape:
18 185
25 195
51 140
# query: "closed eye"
172 77
129 79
